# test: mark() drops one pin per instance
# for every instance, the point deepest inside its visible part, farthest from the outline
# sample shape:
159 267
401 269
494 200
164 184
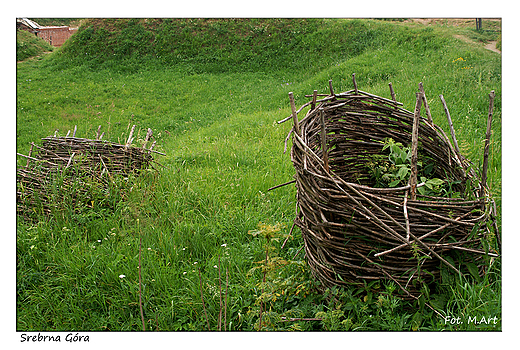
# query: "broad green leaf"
402 173
473 270
394 183
436 182
416 321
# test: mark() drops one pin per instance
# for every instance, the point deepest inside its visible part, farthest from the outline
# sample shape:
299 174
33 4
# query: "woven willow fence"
76 166
355 232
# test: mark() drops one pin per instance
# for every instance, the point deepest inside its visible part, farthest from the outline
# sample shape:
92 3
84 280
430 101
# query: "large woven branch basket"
354 232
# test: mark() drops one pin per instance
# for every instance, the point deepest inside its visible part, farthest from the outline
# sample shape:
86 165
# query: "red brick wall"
56 36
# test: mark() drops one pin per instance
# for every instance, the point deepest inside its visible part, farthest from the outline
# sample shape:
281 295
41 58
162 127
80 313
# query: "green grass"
29 45
215 118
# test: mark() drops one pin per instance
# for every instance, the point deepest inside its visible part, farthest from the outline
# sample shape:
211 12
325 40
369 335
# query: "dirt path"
492 45
463 22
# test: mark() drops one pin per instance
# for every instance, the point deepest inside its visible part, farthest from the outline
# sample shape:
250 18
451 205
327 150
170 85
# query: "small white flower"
184 273
195 263
122 276
149 248
215 266
99 241
224 245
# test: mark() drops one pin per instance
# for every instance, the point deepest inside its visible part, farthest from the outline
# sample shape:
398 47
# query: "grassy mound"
227 45
29 45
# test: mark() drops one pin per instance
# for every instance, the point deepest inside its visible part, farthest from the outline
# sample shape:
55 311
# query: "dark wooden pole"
486 145
450 123
426 106
294 114
415 145
392 93
330 88
314 98
324 141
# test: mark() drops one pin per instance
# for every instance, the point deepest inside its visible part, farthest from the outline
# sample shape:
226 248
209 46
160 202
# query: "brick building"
54 35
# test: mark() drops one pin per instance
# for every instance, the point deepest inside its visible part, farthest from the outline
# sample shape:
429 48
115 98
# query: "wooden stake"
415 144
324 141
30 152
452 131
486 145
426 106
354 81
314 98
407 220
75 129
148 135
97 133
152 146
392 93
330 88
129 141
294 114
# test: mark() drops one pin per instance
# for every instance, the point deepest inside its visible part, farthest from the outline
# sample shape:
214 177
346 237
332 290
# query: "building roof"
28 23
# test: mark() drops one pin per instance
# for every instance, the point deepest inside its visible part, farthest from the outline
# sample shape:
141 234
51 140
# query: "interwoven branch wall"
76 166
355 232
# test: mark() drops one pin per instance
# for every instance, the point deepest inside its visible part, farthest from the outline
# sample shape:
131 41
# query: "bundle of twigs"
69 161
354 231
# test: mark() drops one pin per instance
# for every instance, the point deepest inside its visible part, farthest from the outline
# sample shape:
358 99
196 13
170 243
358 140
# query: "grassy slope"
29 45
224 150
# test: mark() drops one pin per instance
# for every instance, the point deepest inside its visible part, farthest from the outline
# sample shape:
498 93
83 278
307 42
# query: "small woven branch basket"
84 158
354 232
